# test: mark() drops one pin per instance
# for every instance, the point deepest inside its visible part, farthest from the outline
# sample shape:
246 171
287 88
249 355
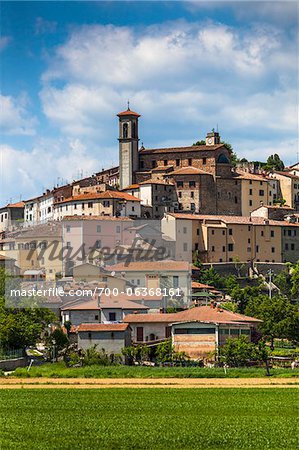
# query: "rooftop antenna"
128 105
217 127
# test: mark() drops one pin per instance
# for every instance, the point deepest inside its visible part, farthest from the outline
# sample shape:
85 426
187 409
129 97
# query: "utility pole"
53 342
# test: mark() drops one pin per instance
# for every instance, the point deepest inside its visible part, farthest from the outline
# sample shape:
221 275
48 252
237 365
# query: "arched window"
125 130
133 129
223 159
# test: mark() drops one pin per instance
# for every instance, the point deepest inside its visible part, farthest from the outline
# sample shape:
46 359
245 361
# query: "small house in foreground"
197 331
112 337
101 310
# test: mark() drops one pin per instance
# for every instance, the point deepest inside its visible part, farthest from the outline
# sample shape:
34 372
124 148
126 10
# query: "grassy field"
149 419
59 370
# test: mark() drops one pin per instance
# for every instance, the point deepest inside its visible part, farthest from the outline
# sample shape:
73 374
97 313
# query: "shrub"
165 353
136 354
240 352
73 359
92 356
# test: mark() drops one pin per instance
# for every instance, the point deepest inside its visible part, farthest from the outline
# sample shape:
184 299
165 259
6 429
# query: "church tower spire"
128 146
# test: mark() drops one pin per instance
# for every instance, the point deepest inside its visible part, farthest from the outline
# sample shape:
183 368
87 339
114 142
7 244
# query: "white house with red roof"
108 203
197 331
10 215
110 337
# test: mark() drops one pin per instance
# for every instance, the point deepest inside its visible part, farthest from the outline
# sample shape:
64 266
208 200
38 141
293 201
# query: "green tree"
135 354
295 281
230 283
239 266
230 306
68 325
130 354
92 356
228 146
21 327
274 163
60 338
283 281
164 351
238 352
202 142
211 277
280 318
243 296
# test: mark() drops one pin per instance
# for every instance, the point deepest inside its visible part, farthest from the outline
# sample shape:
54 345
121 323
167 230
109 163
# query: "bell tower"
213 138
128 147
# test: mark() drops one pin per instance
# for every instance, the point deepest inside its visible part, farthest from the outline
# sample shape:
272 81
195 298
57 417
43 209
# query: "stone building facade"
202 174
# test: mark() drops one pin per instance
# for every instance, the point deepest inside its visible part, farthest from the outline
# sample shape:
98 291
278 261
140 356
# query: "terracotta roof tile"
197 285
193 148
162 168
103 327
150 318
198 314
249 176
79 218
209 219
189 171
154 266
101 195
16 205
122 301
132 186
153 181
287 174
128 112
275 207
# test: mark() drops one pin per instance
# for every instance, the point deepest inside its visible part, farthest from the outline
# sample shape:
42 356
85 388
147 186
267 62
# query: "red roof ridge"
196 314
189 170
99 195
103 327
128 112
15 205
189 148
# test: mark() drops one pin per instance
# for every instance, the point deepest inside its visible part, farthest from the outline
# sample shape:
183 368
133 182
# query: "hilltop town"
138 238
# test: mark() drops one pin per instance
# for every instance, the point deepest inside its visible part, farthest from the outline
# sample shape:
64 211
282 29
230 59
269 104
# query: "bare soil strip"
92 383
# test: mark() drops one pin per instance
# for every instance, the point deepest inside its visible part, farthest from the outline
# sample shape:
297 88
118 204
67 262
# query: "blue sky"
67 68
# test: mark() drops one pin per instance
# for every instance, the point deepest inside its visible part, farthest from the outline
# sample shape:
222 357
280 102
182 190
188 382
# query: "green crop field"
59 370
148 419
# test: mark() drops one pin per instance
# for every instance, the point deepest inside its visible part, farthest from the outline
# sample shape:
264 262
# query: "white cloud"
252 150
183 78
78 109
50 161
119 56
276 11
14 117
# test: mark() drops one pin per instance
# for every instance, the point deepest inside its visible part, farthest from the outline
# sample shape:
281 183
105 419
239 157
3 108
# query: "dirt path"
92 383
